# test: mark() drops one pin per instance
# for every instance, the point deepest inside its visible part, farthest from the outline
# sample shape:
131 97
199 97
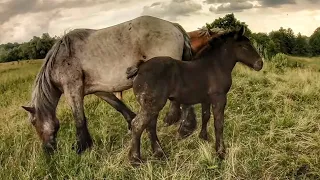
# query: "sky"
20 20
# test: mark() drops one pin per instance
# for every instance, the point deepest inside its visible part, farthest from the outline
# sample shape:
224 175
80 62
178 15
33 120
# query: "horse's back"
108 52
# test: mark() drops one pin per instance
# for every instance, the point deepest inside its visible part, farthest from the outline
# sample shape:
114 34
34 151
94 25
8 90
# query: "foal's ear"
240 32
29 109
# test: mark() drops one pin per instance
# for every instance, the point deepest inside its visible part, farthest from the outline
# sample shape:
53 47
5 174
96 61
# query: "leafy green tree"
301 47
315 42
229 22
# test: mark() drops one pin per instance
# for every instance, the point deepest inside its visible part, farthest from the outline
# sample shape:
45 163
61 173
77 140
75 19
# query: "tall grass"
272 131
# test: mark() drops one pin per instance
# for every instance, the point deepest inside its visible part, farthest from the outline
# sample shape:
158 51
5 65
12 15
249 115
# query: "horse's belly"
109 52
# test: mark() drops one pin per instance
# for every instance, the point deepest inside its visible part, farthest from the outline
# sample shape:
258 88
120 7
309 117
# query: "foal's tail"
133 70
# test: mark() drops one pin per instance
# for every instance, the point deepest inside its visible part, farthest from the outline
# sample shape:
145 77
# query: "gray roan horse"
205 80
87 61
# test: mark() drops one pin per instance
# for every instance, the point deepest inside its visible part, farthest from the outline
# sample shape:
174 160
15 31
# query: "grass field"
272 131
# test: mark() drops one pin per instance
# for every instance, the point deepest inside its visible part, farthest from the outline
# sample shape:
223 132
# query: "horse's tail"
187 50
133 70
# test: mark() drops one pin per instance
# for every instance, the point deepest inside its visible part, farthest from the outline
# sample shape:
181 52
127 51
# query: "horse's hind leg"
74 95
205 118
118 105
118 95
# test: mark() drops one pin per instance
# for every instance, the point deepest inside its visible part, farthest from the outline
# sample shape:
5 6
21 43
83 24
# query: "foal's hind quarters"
205 80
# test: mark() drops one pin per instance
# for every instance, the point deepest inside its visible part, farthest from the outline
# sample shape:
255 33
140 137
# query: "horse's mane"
204 31
215 42
45 95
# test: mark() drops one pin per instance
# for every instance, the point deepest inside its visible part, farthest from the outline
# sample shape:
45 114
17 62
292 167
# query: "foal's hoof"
80 147
221 154
136 161
159 154
204 136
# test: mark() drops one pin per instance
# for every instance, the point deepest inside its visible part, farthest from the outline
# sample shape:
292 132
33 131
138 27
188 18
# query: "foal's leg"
138 124
174 113
74 96
218 105
205 118
188 121
118 105
155 143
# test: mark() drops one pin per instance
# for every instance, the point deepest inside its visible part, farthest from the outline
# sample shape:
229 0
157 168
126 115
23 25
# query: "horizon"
60 16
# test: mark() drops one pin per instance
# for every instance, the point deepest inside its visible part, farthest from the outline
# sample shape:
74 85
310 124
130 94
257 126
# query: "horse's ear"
29 109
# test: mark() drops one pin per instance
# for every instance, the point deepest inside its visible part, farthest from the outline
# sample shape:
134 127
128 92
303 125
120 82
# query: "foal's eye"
244 47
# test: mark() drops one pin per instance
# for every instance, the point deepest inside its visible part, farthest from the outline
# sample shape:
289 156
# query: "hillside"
272 131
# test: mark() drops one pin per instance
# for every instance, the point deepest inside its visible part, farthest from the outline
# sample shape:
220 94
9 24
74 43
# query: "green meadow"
272 131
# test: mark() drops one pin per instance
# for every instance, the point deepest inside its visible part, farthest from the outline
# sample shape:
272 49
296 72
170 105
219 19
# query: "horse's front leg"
74 97
218 105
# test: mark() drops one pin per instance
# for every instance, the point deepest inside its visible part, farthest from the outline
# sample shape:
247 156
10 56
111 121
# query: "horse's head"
244 51
46 126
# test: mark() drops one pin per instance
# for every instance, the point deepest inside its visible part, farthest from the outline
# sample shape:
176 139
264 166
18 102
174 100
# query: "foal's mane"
45 95
215 42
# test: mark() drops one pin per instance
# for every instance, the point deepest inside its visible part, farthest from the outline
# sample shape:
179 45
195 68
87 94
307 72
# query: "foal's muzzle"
258 65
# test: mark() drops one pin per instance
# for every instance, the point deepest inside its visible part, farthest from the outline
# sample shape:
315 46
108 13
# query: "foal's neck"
218 57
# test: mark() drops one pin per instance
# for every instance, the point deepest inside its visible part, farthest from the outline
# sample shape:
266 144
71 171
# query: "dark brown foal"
206 80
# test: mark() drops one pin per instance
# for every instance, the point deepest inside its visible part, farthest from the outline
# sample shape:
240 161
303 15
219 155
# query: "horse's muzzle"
50 147
258 65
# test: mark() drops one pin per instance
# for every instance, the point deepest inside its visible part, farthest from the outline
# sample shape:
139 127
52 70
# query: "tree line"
36 48
280 41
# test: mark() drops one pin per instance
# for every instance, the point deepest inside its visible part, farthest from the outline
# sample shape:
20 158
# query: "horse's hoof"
204 136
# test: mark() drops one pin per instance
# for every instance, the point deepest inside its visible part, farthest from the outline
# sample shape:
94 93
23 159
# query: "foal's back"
165 77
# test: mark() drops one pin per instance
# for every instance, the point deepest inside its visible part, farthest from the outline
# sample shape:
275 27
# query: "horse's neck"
197 44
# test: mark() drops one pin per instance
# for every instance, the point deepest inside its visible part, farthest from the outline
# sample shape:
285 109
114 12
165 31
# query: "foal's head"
241 49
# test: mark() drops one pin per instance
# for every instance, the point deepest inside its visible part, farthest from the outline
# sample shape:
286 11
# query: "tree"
301 47
315 42
36 48
284 40
229 22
